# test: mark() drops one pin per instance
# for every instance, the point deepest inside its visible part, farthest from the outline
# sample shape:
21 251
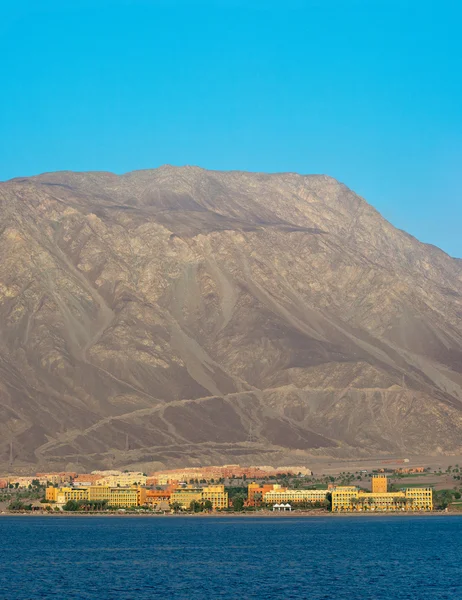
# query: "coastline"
258 514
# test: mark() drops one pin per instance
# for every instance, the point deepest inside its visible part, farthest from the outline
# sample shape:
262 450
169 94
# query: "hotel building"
216 494
351 499
118 478
115 496
284 495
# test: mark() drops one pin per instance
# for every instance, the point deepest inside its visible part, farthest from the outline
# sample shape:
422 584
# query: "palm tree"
396 501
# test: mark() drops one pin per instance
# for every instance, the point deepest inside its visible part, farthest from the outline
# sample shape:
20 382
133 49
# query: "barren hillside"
183 316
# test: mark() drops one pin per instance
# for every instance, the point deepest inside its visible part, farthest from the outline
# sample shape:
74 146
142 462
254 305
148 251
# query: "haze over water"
193 557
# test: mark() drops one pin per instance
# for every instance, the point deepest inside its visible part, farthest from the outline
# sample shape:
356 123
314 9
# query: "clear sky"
368 91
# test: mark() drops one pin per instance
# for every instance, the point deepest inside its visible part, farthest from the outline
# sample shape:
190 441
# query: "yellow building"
216 494
99 493
185 495
51 494
125 497
342 498
381 501
379 484
115 496
118 497
352 500
281 494
63 494
419 498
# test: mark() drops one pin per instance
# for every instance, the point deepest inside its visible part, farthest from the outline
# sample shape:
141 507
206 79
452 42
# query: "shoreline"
258 514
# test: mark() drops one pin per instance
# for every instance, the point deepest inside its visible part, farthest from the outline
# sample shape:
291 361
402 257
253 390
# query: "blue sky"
368 91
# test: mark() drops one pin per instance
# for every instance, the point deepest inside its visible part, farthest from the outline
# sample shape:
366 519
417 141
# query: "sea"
140 558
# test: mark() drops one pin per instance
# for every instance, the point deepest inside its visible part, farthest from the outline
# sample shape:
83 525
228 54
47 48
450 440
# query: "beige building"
216 473
57 478
284 495
118 478
25 482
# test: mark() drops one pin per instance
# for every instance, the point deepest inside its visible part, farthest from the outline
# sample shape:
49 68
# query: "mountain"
183 316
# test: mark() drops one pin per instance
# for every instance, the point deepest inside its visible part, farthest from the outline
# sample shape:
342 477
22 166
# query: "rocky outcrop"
180 316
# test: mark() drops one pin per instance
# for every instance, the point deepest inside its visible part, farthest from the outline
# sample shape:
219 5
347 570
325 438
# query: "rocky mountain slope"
180 316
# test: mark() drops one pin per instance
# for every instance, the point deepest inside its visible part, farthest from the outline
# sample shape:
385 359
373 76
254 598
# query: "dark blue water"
143 558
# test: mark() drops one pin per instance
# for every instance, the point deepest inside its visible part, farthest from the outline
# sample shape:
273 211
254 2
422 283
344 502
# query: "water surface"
194 558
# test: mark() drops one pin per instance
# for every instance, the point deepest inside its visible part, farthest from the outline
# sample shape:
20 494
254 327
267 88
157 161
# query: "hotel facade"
284 495
117 497
351 499
216 494
346 498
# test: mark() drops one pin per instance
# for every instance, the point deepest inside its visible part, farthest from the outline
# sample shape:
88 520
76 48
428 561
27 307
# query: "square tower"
379 484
